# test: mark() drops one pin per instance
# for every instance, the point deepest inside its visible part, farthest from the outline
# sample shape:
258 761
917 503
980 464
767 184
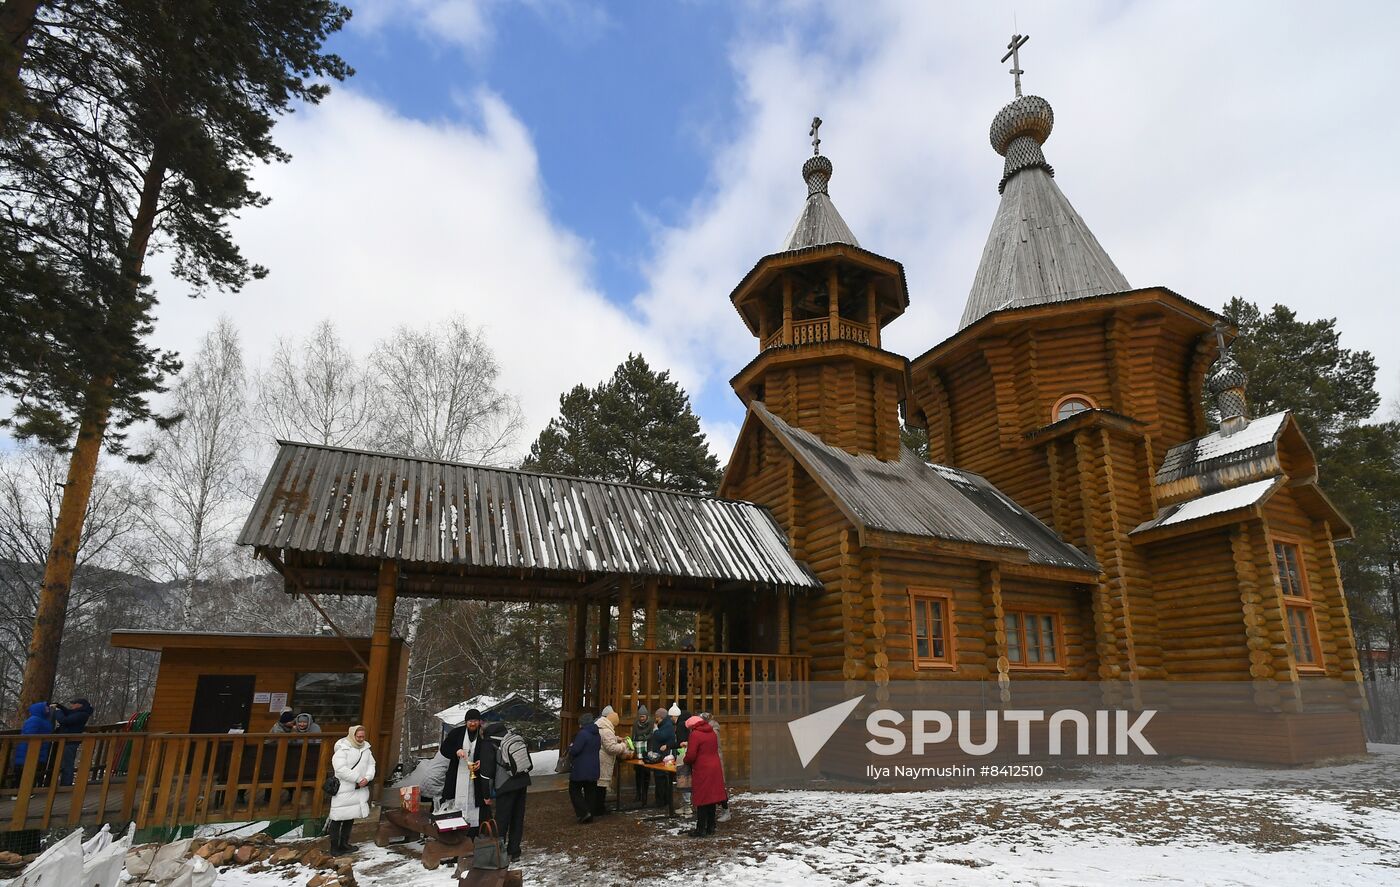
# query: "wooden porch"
163 780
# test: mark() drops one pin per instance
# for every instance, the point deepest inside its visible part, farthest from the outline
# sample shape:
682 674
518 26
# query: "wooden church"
1080 515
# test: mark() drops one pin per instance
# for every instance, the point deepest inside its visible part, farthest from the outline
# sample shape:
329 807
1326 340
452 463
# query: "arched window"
1071 405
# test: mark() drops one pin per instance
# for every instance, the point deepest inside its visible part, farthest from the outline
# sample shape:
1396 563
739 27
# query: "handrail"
818 329
161 779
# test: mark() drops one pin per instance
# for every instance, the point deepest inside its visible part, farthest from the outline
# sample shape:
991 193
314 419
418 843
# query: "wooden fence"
161 779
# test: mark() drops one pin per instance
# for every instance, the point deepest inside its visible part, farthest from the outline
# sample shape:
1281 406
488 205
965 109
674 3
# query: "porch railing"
160 779
720 683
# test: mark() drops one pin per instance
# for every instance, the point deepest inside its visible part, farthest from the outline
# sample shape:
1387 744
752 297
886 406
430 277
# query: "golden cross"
1013 52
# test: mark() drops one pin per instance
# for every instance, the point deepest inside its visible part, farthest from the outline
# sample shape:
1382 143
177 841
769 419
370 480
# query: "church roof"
915 498
1039 249
819 223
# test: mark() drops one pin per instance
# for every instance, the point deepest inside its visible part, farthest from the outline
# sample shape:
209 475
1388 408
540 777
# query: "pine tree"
1301 366
142 120
636 428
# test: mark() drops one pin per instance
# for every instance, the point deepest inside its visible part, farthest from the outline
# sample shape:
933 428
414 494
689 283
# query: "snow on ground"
1331 825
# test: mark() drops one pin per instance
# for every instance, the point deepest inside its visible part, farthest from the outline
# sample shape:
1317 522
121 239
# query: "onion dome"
819 223
1018 131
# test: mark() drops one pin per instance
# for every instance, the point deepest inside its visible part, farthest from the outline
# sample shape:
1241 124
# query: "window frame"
1302 602
1055 410
1057 626
948 661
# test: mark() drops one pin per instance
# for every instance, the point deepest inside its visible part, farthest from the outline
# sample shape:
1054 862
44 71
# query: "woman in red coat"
706 775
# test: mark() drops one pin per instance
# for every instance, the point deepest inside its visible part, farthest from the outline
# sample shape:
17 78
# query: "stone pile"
261 853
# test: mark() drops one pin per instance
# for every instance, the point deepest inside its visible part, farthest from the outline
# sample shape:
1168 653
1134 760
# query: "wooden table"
668 769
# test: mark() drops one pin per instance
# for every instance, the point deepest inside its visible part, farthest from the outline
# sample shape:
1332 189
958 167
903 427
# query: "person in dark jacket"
662 743
584 767
471 768
39 723
71 717
706 775
641 742
513 767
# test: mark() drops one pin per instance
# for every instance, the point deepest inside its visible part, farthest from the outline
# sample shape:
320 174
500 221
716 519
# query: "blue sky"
584 180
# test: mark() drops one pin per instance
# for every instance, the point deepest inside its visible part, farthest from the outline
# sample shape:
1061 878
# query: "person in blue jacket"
37 724
71 717
661 744
584 767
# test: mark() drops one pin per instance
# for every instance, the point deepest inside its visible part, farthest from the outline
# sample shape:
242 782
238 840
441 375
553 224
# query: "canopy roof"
336 512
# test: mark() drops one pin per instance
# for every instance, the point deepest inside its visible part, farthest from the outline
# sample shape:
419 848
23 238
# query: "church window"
1033 639
1302 621
931 613
1071 405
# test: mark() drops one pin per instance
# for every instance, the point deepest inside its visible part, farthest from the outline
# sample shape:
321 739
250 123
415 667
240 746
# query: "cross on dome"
1013 52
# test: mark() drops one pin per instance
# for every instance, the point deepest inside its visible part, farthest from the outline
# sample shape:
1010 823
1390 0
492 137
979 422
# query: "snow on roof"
1216 503
1181 458
454 715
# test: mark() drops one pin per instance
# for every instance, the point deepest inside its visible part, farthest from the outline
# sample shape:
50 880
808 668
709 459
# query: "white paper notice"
276 701
262 698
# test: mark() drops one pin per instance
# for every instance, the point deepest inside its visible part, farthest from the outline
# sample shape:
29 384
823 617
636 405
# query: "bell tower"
817 308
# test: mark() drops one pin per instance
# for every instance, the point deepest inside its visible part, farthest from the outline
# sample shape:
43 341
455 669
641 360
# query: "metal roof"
353 503
914 498
1039 251
1216 451
1212 504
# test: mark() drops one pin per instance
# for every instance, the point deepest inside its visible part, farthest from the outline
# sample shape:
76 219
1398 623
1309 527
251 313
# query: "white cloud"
468 25
463 24
380 220
1221 150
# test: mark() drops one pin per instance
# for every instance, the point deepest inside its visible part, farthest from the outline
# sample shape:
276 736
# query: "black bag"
331 787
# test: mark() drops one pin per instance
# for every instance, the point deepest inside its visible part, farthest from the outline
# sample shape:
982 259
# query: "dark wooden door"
221 702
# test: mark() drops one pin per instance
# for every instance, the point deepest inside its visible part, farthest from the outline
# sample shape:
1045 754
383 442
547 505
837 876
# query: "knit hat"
642 713
586 718
607 710
471 715
286 717
674 711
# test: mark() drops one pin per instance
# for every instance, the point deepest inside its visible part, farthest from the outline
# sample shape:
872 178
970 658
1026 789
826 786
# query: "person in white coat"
353 765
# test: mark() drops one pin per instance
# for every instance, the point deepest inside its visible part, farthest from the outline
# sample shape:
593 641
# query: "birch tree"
440 395
316 391
197 479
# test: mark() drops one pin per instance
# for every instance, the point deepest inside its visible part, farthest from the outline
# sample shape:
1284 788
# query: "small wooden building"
215 682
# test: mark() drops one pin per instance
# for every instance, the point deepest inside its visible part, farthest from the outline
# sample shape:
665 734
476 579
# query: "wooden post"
834 303
604 625
624 614
653 587
580 641
784 623
377 681
871 314
764 327
787 309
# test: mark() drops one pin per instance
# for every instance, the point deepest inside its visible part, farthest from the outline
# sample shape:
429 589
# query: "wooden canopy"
327 517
